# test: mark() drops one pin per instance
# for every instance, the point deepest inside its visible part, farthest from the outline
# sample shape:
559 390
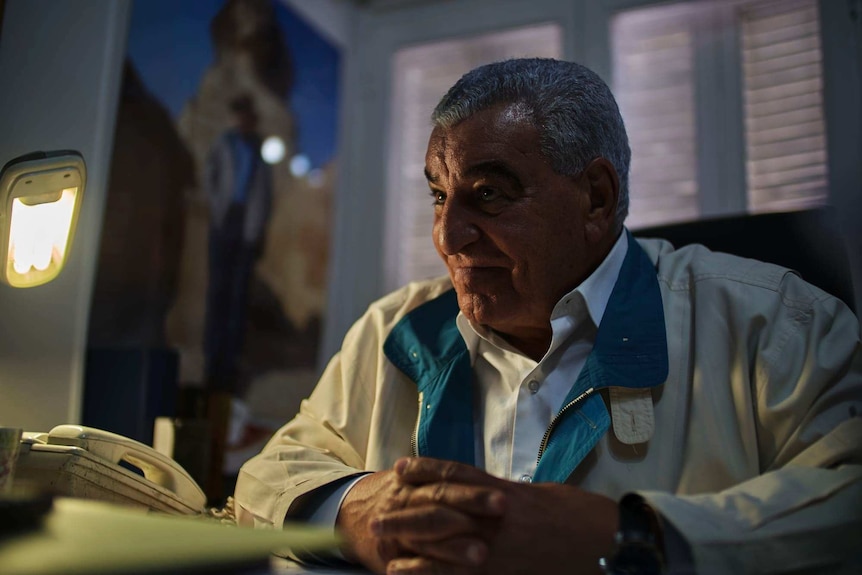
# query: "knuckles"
440 492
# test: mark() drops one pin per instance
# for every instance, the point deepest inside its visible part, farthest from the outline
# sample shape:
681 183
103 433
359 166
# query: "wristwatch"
638 546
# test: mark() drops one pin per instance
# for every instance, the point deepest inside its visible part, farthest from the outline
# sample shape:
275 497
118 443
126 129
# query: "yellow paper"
82 536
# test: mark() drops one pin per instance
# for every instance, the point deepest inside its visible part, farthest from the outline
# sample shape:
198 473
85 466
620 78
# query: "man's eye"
488 194
439 198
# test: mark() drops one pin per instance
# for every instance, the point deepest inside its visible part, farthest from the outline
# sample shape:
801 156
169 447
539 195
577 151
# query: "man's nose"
454 229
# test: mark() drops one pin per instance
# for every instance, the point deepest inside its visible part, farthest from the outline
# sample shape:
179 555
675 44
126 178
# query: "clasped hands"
428 516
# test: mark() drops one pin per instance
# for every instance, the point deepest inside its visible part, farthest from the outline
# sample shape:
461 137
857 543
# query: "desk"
81 536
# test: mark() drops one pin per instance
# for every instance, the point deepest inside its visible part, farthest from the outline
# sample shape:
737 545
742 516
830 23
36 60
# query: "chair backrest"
807 241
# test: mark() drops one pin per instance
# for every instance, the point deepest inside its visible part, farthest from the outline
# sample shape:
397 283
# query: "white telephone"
79 461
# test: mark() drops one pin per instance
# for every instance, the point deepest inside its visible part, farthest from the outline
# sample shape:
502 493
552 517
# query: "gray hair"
573 109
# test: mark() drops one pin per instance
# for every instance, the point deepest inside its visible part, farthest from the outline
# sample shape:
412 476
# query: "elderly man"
579 395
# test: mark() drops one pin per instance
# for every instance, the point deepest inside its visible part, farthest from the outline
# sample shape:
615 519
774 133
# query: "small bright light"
272 150
299 165
38 233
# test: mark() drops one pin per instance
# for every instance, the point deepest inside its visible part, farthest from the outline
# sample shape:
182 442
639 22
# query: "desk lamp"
40 196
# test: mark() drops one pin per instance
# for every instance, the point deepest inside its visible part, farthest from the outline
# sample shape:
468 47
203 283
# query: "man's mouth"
477 272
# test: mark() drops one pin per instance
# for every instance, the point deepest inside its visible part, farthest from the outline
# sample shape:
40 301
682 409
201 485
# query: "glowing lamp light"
40 196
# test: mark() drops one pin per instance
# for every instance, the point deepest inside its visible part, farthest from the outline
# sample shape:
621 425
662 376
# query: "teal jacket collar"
630 351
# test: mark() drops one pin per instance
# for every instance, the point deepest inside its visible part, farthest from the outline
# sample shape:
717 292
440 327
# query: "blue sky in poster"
169 43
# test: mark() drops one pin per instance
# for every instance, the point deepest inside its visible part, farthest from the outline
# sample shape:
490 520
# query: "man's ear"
602 194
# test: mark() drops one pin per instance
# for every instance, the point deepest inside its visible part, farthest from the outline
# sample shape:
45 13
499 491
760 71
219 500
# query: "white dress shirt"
517 397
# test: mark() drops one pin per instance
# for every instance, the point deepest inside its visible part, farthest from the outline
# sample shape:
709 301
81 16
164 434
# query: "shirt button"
526 478
533 385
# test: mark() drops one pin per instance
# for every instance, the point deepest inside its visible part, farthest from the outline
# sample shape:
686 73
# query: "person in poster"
238 186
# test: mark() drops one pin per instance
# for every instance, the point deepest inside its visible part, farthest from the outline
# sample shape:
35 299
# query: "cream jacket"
751 448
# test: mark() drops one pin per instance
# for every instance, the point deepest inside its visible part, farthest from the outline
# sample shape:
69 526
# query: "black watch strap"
638 544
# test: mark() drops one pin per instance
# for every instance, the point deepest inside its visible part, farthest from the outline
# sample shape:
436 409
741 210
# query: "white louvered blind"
653 79
421 76
657 58
784 125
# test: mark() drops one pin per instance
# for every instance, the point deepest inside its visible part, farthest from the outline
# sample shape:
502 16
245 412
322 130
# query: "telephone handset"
165 486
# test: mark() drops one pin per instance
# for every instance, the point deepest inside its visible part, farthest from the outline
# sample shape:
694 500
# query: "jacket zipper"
414 439
557 417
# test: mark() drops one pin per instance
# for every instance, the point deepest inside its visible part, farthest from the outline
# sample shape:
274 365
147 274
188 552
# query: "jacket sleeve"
326 441
803 513
302 456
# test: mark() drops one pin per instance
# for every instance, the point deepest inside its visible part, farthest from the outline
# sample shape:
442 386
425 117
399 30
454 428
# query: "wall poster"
216 231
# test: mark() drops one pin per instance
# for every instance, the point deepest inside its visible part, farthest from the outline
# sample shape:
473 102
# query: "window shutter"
653 80
656 55
784 125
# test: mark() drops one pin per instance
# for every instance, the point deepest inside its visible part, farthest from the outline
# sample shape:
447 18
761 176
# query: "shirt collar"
595 291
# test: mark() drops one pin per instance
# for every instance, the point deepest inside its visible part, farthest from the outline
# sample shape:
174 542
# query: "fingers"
480 501
451 484
464 551
435 532
439 511
427 566
419 470
429 523
373 495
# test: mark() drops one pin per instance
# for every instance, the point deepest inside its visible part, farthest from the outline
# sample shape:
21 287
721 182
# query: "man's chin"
483 309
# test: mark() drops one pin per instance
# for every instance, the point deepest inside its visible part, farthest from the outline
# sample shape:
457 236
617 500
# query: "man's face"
509 228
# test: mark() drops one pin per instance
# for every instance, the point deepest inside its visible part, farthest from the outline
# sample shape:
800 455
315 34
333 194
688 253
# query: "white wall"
60 63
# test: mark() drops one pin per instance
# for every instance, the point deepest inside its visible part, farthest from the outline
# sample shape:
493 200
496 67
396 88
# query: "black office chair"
806 241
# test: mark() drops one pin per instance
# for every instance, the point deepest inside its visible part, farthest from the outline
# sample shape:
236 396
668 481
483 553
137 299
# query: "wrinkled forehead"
503 129
495 141
499 112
